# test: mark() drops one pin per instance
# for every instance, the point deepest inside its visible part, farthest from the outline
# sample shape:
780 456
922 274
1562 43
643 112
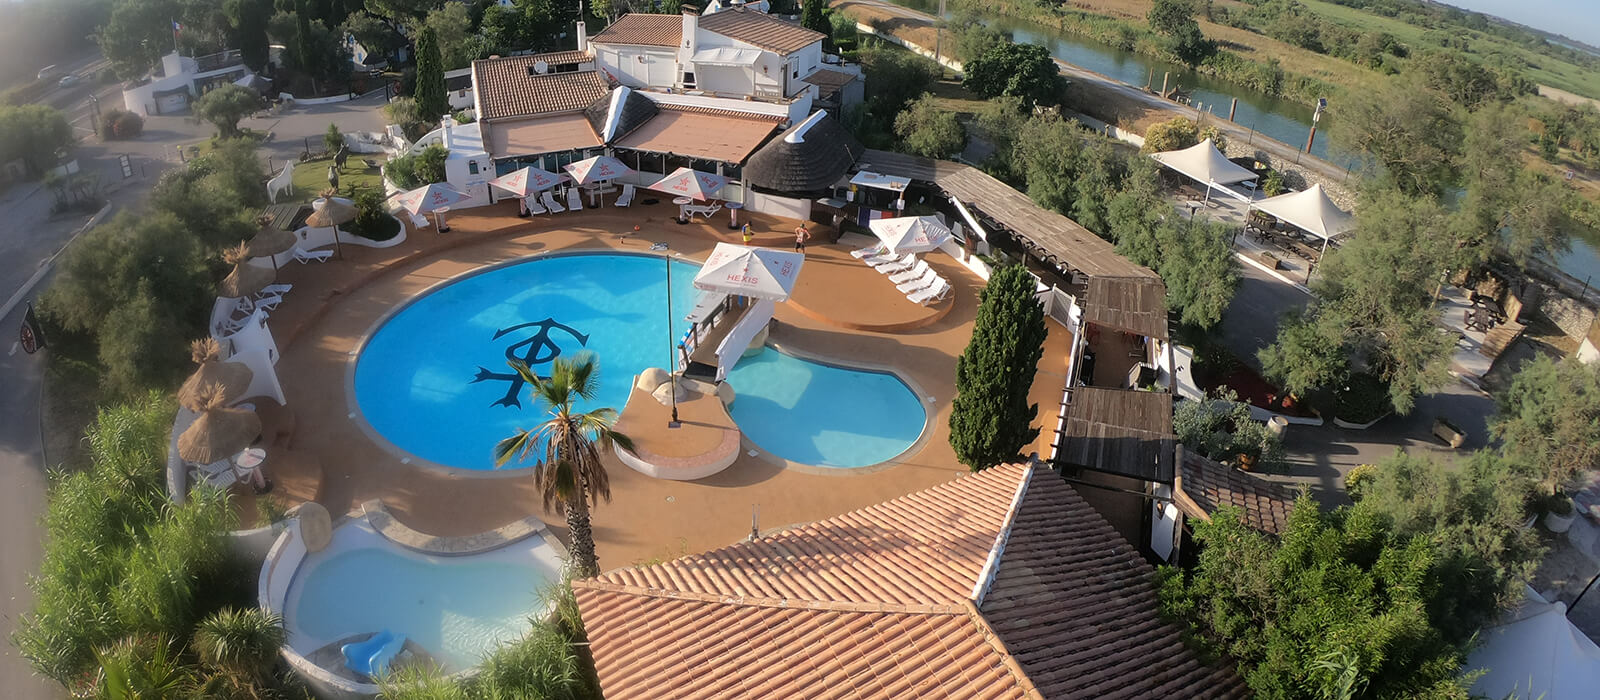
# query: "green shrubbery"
1220 428
418 168
372 218
118 124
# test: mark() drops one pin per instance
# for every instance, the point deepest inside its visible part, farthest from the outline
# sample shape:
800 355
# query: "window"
688 78
472 167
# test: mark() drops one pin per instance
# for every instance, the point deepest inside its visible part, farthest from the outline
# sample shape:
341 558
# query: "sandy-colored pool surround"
333 305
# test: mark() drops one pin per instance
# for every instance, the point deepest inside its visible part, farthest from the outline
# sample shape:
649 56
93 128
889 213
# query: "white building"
180 80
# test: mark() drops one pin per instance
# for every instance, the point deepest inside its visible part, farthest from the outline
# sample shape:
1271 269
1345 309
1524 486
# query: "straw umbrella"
219 433
246 279
214 373
270 241
333 212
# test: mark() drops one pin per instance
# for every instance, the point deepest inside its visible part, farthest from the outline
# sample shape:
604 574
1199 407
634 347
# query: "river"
1274 117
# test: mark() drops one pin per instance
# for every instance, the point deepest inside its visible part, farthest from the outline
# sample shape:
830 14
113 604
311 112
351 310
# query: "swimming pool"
458 608
433 380
823 415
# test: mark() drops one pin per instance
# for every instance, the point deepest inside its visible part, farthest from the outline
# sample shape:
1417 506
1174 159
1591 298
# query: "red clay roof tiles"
875 603
1204 486
507 88
760 30
639 29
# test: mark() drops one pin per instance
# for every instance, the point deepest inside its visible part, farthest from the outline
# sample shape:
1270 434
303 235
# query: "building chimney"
583 37
449 126
686 49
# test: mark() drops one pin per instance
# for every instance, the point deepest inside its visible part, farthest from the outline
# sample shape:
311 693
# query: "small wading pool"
823 415
457 608
433 379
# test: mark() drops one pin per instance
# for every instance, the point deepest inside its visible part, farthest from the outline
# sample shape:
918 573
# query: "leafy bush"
418 168
1359 480
372 218
332 139
119 124
1170 135
241 642
1363 399
1220 428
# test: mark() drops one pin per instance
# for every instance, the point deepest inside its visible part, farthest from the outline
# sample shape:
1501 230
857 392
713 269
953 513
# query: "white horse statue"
280 183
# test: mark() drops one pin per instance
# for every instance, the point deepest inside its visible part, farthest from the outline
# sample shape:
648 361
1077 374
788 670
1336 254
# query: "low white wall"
777 206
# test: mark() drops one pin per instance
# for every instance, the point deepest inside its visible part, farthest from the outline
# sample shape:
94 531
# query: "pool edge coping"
386 524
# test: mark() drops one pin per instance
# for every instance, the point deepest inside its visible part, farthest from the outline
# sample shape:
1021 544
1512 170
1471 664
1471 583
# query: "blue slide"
372 656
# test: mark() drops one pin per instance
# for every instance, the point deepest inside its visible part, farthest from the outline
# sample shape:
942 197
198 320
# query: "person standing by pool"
747 236
801 235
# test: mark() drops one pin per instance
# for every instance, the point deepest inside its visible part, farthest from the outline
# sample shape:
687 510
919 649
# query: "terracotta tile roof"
760 30
507 87
1072 602
877 604
693 109
643 30
1204 486
561 58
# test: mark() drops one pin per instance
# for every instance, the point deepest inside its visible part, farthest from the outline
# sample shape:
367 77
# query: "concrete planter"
1347 425
1451 435
1560 523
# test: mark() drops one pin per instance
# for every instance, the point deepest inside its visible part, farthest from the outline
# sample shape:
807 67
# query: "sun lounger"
868 252
921 269
884 258
933 293
534 207
920 283
274 290
905 263
574 199
550 202
305 256
626 199
264 304
217 474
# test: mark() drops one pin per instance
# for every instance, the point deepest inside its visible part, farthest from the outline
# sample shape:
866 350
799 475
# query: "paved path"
22 488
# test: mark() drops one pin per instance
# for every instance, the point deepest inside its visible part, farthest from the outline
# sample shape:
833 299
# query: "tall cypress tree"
991 420
432 103
249 18
814 16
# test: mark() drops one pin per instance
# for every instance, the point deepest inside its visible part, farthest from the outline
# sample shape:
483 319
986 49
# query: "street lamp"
672 355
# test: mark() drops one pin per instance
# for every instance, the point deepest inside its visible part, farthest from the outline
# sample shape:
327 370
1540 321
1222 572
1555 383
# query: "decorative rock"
664 393
651 379
316 528
697 386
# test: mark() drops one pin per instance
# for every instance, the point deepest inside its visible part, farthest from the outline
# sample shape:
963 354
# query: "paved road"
22 488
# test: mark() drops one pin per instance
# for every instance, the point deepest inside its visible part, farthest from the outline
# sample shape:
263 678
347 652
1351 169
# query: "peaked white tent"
761 273
1205 164
910 234
1536 653
1309 210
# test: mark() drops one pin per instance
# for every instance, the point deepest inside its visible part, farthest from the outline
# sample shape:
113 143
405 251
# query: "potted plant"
1269 259
1558 512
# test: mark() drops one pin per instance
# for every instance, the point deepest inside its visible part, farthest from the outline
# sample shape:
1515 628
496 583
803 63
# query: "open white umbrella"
431 199
599 168
910 234
761 273
693 184
525 181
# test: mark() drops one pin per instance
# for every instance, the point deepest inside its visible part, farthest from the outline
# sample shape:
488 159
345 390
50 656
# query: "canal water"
1284 120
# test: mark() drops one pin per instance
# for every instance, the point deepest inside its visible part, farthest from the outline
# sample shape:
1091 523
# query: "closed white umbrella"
693 184
761 273
910 234
599 168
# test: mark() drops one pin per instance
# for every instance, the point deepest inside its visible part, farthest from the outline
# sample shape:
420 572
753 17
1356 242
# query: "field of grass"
311 177
1538 68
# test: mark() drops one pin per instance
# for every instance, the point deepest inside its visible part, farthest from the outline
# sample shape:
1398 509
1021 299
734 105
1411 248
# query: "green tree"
569 473
1302 359
1548 421
1199 269
136 34
972 37
1409 129
459 45
401 11
991 420
403 112
1101 170
1520 212
1171 135
33 133
998 122
332 139
241 642
249 20
1023 70
929 130
375 35
1175 20
304 47
432 102
1047 152
814 16
224 106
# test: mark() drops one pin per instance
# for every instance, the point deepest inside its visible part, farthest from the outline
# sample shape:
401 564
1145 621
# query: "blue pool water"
415 378
457 608
823 415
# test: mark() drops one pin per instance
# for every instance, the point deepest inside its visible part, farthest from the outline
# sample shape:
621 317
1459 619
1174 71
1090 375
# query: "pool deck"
336 304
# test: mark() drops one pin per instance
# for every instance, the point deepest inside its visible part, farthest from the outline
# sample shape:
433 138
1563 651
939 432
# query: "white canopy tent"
1205 164
1536 653
1311 210
761 273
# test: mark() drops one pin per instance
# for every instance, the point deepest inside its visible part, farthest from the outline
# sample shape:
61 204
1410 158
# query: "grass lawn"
311 176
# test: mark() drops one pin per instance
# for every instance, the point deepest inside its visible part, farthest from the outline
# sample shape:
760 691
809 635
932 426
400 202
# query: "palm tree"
569 474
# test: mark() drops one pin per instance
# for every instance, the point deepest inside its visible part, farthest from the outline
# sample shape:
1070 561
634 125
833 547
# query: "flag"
32 335
176 28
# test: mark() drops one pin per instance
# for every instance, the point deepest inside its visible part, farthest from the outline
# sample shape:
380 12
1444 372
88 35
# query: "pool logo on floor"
536 350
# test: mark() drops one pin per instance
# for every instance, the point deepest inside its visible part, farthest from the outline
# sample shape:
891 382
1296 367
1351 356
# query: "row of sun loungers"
547 203
914 278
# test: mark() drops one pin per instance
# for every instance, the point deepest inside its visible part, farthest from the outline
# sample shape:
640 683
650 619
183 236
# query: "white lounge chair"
921 269
920 283
574 199
550 202
305 256
931 294
274 290
626 199
261 303
882 259
904 263
217 474
872 251
534 207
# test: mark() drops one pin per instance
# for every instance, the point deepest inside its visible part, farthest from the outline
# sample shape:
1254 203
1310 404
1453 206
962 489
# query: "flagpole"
174 24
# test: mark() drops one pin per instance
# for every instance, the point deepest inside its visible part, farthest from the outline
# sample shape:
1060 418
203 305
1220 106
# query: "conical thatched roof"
270 241
805 160
333 212
219 433
246 279
229 378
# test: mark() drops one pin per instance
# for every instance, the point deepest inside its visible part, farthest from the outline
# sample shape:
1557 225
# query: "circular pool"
434 380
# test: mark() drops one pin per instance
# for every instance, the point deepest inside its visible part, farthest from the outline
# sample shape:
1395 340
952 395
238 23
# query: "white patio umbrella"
430 199
525 181
761 273
693 184
910 234
599 168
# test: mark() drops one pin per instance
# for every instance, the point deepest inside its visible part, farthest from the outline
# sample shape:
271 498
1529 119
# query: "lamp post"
672 356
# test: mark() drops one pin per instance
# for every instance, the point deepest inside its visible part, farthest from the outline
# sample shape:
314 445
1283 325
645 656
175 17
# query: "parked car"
47 72
68 80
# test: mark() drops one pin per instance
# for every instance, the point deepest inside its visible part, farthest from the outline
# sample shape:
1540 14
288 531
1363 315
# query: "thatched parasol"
219 433
333 212
270 241
246 279
231 378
